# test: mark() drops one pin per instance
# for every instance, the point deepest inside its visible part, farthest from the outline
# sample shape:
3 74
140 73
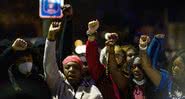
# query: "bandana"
73 58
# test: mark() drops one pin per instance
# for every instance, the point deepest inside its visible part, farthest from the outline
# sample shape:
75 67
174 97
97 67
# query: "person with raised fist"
68 84
20 70
158 77
108 78
169 86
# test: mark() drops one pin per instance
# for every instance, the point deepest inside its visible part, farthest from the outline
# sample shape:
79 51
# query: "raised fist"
109 43
19 45
54 27
144 40
93 26
67 10
111 36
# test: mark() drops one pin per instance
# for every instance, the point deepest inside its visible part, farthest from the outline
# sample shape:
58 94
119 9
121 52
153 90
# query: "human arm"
92 55
50 66
117 75
155 49
153 74
9 55
65 48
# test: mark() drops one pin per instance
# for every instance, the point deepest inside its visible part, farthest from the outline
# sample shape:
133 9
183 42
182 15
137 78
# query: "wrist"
91 36
111 50
13 48
142 47
91 32
51 36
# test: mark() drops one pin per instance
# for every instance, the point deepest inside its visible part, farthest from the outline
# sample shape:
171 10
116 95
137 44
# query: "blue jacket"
154 50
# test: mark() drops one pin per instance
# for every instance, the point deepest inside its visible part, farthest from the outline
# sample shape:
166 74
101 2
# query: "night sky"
16 14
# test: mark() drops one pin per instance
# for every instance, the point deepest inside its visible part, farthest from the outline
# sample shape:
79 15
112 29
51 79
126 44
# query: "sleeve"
103 56
165 82
65 48
50 66
98 94
92 55
6 59
154 50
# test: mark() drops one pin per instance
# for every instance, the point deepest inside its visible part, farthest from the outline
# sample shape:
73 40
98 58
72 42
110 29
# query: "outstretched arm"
153 74
92 55
50 66
65 48
117 76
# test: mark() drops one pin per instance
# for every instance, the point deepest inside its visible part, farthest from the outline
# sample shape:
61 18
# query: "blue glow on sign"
51 8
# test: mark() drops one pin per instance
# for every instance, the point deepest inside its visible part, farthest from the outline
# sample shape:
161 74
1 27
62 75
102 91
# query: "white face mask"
25 67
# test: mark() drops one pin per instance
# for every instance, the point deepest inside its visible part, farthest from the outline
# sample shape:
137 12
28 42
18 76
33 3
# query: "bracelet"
142 48
91 34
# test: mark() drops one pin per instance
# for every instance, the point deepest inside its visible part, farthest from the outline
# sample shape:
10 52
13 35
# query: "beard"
74 83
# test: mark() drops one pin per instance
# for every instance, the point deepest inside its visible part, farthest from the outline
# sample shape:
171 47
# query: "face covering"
25 67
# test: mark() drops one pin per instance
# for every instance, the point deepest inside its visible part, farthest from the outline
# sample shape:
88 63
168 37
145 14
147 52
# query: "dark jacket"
6 58
30 85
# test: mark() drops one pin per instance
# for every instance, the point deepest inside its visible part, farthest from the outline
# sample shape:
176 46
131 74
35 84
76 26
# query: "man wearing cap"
69 84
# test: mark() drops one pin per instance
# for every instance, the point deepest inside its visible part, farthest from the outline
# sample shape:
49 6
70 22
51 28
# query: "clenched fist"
67 10
144 40
19 45
53 29
111 38
93 26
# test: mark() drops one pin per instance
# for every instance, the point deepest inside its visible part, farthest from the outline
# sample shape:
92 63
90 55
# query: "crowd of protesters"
34 71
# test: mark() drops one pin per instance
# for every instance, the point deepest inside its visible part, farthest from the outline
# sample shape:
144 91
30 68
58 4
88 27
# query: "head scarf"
73 58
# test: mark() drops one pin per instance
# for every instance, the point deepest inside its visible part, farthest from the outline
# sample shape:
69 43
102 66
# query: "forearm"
153 74
50 64
51 36
116 74
92 56
49 61
65 43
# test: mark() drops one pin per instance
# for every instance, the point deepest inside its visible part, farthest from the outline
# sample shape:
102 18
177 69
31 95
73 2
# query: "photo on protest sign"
51 8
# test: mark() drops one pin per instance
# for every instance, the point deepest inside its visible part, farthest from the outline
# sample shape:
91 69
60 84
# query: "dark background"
20 18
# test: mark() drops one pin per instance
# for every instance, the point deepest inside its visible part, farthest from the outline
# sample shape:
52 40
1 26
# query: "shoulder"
89 88
94 92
